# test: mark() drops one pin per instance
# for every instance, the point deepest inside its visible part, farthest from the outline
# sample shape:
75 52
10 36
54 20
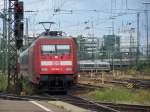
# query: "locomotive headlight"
68 69
44 69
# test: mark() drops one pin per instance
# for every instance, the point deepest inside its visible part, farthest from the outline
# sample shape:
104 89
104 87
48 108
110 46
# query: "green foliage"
146 69
113 95
28 87
121 95
143 97
143 66
3 82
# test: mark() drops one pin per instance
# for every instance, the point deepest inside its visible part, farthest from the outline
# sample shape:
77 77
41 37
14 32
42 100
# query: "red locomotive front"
51 62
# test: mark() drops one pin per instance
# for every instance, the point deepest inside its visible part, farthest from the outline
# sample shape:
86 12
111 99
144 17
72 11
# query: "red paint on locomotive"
50 57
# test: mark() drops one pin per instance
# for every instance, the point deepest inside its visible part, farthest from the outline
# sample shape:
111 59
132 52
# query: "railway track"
127 107
130 83
81 102
94 107
133 83
90 86
78 101
126 82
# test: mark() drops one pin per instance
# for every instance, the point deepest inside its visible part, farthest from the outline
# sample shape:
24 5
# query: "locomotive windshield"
63 49
55 49
48 49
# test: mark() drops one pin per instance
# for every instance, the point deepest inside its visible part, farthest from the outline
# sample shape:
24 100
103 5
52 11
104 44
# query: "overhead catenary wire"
59 4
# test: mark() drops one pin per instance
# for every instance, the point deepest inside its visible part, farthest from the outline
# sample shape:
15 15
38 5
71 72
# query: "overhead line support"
15 34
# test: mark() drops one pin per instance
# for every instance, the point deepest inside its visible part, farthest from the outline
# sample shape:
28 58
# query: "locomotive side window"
48 49
63 49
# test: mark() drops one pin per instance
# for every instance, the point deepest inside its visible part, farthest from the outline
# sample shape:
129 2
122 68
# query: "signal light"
18 11
18 26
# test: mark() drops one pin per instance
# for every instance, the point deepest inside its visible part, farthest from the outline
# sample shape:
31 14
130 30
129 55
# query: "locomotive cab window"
55 49
63 49
48 49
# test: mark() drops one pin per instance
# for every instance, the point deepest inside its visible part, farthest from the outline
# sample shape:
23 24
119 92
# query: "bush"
3 82
28 87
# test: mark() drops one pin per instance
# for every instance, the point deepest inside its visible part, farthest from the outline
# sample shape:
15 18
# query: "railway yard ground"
63 103
128 79
117 91
27 106
119 86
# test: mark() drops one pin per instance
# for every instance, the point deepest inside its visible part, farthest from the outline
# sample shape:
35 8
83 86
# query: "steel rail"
134 107
67 98
81 102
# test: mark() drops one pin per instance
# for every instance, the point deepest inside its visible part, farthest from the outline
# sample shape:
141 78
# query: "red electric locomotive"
51 61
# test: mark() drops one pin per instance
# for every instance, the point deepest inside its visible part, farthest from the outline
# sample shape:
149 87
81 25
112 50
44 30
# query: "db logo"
56 62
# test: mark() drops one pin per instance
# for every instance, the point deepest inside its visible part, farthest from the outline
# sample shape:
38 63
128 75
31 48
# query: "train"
50 62
93 66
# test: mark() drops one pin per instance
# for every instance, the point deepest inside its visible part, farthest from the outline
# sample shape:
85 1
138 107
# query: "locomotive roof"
45 37
54 35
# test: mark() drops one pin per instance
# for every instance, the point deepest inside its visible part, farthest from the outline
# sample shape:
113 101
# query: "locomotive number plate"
56 62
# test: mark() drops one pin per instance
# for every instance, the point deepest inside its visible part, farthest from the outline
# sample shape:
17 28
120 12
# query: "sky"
85 17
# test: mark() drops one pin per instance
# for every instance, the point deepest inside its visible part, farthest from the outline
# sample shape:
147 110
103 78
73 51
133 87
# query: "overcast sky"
76 15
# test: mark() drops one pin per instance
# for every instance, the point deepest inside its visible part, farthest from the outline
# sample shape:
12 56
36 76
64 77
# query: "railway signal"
15 39
18 11
18 25
18 32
